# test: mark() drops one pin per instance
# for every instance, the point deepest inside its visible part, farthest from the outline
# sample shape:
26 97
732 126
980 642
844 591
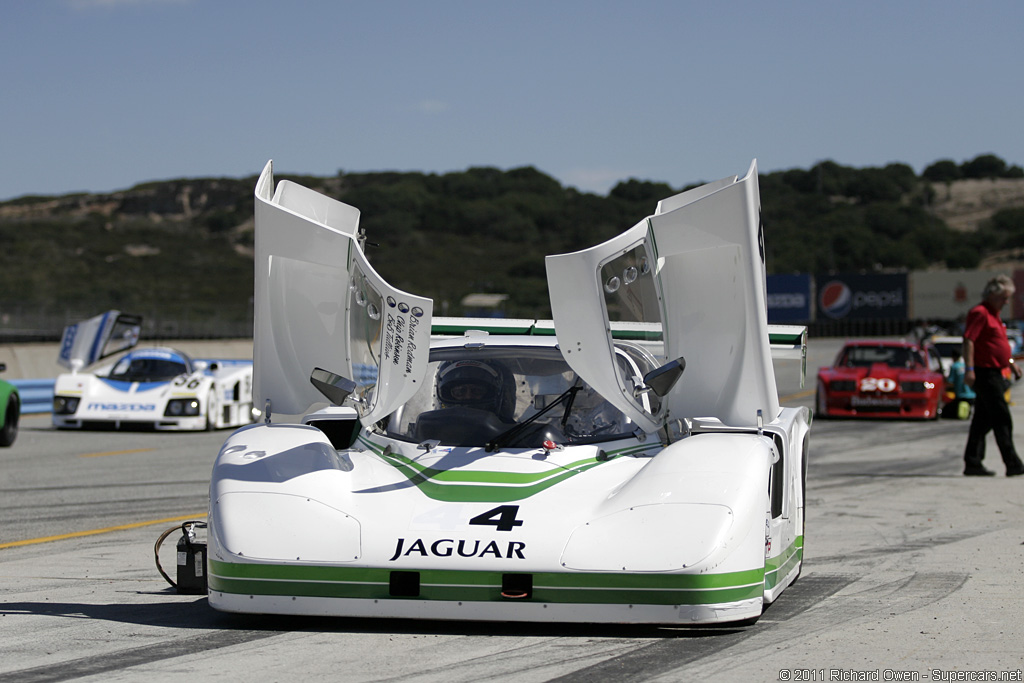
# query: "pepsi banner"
854 296
789 298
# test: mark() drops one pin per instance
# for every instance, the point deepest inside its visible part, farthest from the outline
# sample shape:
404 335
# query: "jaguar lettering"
449 547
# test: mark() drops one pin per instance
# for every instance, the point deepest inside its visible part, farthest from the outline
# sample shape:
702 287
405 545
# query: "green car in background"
10 410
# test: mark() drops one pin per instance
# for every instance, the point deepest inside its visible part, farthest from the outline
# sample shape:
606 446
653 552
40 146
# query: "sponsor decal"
893 297
68 342
787 300
874 402
960 293
863 297
123 407
836 299
502 518
450 547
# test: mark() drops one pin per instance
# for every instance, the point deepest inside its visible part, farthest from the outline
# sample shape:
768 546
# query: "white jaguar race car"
156 388
627 461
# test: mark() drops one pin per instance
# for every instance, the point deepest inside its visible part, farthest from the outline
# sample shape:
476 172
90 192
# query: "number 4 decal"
503 518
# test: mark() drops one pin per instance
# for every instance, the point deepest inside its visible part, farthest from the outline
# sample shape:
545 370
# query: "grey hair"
1000 284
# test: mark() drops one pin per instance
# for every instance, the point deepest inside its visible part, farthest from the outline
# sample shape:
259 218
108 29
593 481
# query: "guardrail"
36 394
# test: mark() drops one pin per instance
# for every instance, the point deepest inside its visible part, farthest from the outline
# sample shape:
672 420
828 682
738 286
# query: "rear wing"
787 342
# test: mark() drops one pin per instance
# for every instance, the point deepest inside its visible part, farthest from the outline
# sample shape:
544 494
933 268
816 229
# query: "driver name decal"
410 352
400 336
448 547
399 339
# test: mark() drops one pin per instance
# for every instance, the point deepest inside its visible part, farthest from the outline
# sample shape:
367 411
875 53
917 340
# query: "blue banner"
855 296
789 298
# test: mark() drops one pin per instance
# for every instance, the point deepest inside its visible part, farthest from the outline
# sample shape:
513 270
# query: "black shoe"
978 471
1015 472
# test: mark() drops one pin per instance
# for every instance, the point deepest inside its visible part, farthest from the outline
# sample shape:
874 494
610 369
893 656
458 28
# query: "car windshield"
893 356
147 369
472 396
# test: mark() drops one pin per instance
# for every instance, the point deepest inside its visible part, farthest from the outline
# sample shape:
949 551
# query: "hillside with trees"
180 251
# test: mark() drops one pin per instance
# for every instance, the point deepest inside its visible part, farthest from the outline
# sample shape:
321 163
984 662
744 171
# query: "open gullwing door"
693 274
319 304
89 341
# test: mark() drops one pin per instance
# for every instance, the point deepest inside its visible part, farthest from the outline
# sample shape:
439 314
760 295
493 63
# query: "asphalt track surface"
910 570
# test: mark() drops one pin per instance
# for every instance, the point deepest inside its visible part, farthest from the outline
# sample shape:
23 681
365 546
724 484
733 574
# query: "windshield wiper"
515 430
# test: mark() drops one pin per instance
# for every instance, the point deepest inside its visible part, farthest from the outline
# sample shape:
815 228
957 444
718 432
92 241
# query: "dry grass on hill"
964 204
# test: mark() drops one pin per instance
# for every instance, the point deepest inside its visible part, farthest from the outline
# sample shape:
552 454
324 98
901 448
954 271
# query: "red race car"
882 378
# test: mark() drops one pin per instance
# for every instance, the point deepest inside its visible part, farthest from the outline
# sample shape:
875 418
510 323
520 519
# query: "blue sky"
98 95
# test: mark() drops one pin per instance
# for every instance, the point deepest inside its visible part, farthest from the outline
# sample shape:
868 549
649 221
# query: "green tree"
943 171
984 166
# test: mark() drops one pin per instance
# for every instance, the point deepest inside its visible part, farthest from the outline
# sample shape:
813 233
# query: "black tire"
10 430
820 412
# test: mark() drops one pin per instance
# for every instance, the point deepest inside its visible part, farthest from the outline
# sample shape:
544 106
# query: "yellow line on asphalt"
100 455
94 532
800 394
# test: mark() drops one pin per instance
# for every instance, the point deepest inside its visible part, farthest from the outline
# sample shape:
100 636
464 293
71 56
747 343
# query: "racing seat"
459 426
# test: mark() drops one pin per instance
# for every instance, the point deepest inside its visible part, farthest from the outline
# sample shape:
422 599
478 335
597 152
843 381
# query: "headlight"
182 407
65 405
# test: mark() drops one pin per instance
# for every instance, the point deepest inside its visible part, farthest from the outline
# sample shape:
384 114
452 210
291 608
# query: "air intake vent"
517 586
404 584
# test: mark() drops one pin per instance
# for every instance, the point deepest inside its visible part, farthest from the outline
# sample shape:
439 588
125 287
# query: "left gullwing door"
88 341
693 273
319 304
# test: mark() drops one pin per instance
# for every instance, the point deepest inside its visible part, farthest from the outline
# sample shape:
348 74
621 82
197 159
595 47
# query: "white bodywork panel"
319 304
706 288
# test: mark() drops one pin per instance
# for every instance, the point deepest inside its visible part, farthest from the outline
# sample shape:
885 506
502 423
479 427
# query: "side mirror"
661 380
335 387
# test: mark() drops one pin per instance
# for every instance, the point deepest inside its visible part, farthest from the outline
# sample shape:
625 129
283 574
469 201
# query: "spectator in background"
963 396
986 352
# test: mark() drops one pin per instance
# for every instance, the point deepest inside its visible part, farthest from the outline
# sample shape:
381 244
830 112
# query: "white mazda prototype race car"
156 388
626 461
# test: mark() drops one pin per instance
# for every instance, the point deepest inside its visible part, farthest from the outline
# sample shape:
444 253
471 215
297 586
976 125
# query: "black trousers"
990 414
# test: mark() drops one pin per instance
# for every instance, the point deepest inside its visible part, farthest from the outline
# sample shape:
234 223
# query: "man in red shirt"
986 354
